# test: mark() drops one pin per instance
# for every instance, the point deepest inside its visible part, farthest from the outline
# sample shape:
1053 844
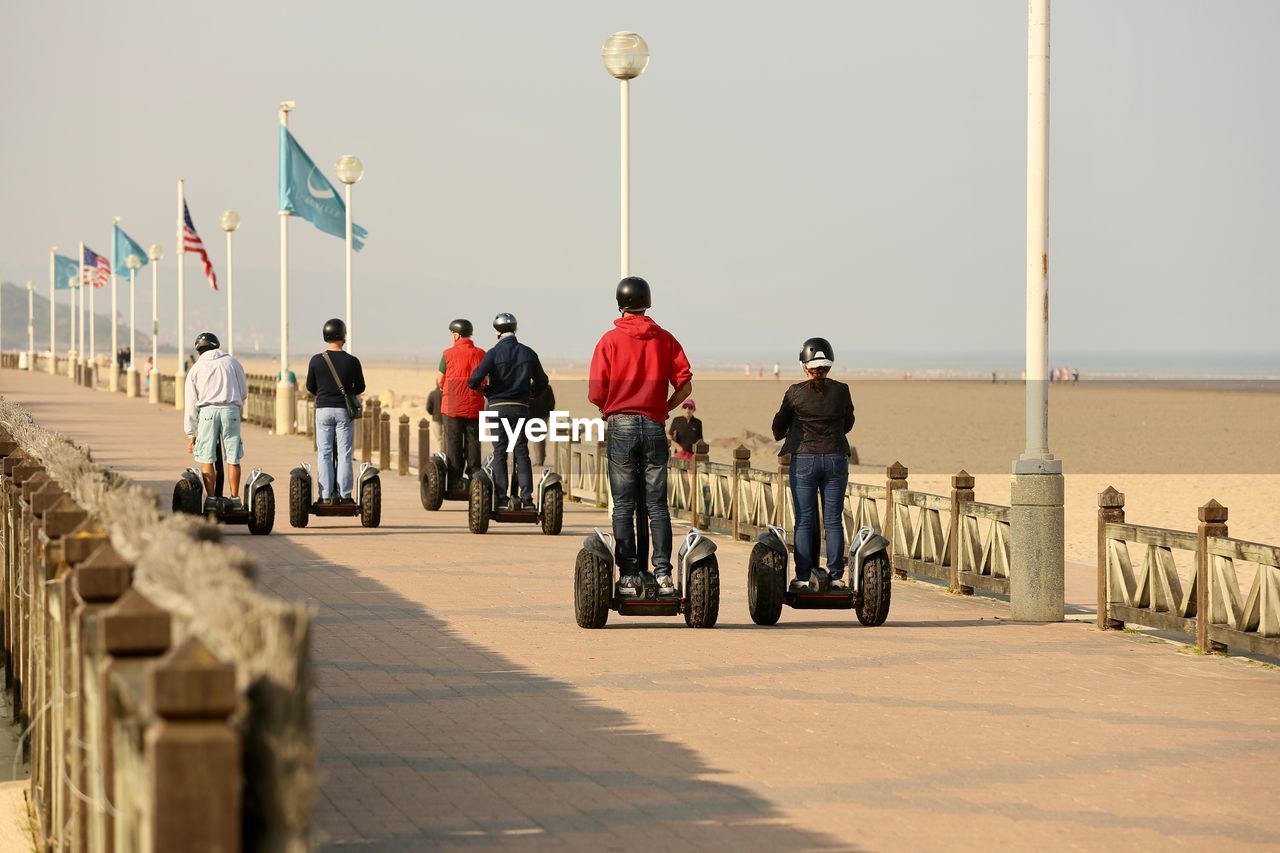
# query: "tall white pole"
53 312
347 192
75 317
231 323
625 136
1 314
113 383
155 316
31 325
1037 387
180 258
80 342
1036 517
93 327
285 390
133 314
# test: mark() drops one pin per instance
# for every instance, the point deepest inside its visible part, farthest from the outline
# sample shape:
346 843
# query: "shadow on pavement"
426 739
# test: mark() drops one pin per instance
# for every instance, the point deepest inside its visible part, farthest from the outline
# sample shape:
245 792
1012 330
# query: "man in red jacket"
459 405
639 373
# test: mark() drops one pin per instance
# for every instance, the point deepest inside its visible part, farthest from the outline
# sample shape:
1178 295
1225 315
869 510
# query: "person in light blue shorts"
215 392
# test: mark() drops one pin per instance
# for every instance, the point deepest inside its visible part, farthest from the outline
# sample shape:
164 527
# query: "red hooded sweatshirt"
634 368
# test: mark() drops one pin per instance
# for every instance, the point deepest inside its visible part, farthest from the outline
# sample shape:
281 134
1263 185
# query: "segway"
368 503
257 508
596 590
870 580
433 481
482 505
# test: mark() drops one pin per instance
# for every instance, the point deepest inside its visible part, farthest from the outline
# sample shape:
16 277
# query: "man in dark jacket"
512 376
634 367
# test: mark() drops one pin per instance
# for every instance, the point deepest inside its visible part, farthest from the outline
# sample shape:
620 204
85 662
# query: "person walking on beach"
777 370
512 376
815 418
335 378
215 392
686 431
459 404
633 367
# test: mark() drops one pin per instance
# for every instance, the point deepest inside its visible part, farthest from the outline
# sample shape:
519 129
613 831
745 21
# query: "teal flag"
126 246
306 192
65 271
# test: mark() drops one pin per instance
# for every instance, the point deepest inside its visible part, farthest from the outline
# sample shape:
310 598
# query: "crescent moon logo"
322 191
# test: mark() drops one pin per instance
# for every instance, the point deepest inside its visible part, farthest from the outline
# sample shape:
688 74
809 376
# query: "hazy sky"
849 169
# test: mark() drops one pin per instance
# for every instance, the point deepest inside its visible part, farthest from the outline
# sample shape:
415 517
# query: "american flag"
191 242
97 269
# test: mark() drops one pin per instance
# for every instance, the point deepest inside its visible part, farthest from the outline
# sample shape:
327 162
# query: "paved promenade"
458 704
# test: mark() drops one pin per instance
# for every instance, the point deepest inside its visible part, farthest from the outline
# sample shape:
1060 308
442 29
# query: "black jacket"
812 421
514 372
320 379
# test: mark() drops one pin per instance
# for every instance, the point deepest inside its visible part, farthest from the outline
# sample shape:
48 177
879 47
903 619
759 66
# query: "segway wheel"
766 584
552 510
187 498
432 485
703 603
479 502
877 580
371 503
299 502
592 584
263 517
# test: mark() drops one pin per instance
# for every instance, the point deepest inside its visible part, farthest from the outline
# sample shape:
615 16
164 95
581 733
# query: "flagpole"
131 384
71 344
113 372
31 325
80 343
180 376
156 252
285 389
53 313
93 328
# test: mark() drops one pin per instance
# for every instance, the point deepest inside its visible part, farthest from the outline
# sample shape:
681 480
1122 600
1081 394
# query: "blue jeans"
814 474
331 425
514 416
638 452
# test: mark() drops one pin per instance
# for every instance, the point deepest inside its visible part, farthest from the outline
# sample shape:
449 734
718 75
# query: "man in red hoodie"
459 404
639 373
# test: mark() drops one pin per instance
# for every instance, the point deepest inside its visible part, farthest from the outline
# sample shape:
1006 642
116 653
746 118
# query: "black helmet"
206 341
633 294
462 327
817 352
335 330
505 322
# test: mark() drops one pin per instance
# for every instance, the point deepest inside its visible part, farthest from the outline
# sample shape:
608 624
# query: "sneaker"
838 585
325 502
528 505
504 503
631 586
344 502
666 586
798 585
231 503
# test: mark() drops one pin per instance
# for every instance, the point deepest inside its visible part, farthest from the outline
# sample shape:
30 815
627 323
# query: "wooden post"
780 488
366 435
402 460
375 440
193 693
695 494
741 462
961 492
602 470
895 478
424 446
384 441
1213 522
1110 509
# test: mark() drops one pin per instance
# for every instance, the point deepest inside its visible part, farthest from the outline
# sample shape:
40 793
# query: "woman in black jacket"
815 417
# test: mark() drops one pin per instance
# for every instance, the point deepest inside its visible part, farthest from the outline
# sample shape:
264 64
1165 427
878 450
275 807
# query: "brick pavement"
458 704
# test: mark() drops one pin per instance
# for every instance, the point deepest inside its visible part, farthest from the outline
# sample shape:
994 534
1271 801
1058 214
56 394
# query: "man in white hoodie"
216 388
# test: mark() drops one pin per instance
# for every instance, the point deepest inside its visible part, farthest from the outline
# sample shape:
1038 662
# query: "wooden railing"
166 701
1208 606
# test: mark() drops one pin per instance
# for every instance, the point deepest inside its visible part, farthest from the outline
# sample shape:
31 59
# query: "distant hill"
13 325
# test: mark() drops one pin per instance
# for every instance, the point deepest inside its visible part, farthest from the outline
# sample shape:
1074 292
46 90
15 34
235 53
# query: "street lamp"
155 252
625 56
230 221
131 387
350 170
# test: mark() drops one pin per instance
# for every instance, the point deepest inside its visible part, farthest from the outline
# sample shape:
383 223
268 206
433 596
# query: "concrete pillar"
741 463
113 376
180 390
286 405
1036 556
961 492
132 383
153 389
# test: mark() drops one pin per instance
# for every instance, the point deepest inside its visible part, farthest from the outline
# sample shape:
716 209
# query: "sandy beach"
1168 448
